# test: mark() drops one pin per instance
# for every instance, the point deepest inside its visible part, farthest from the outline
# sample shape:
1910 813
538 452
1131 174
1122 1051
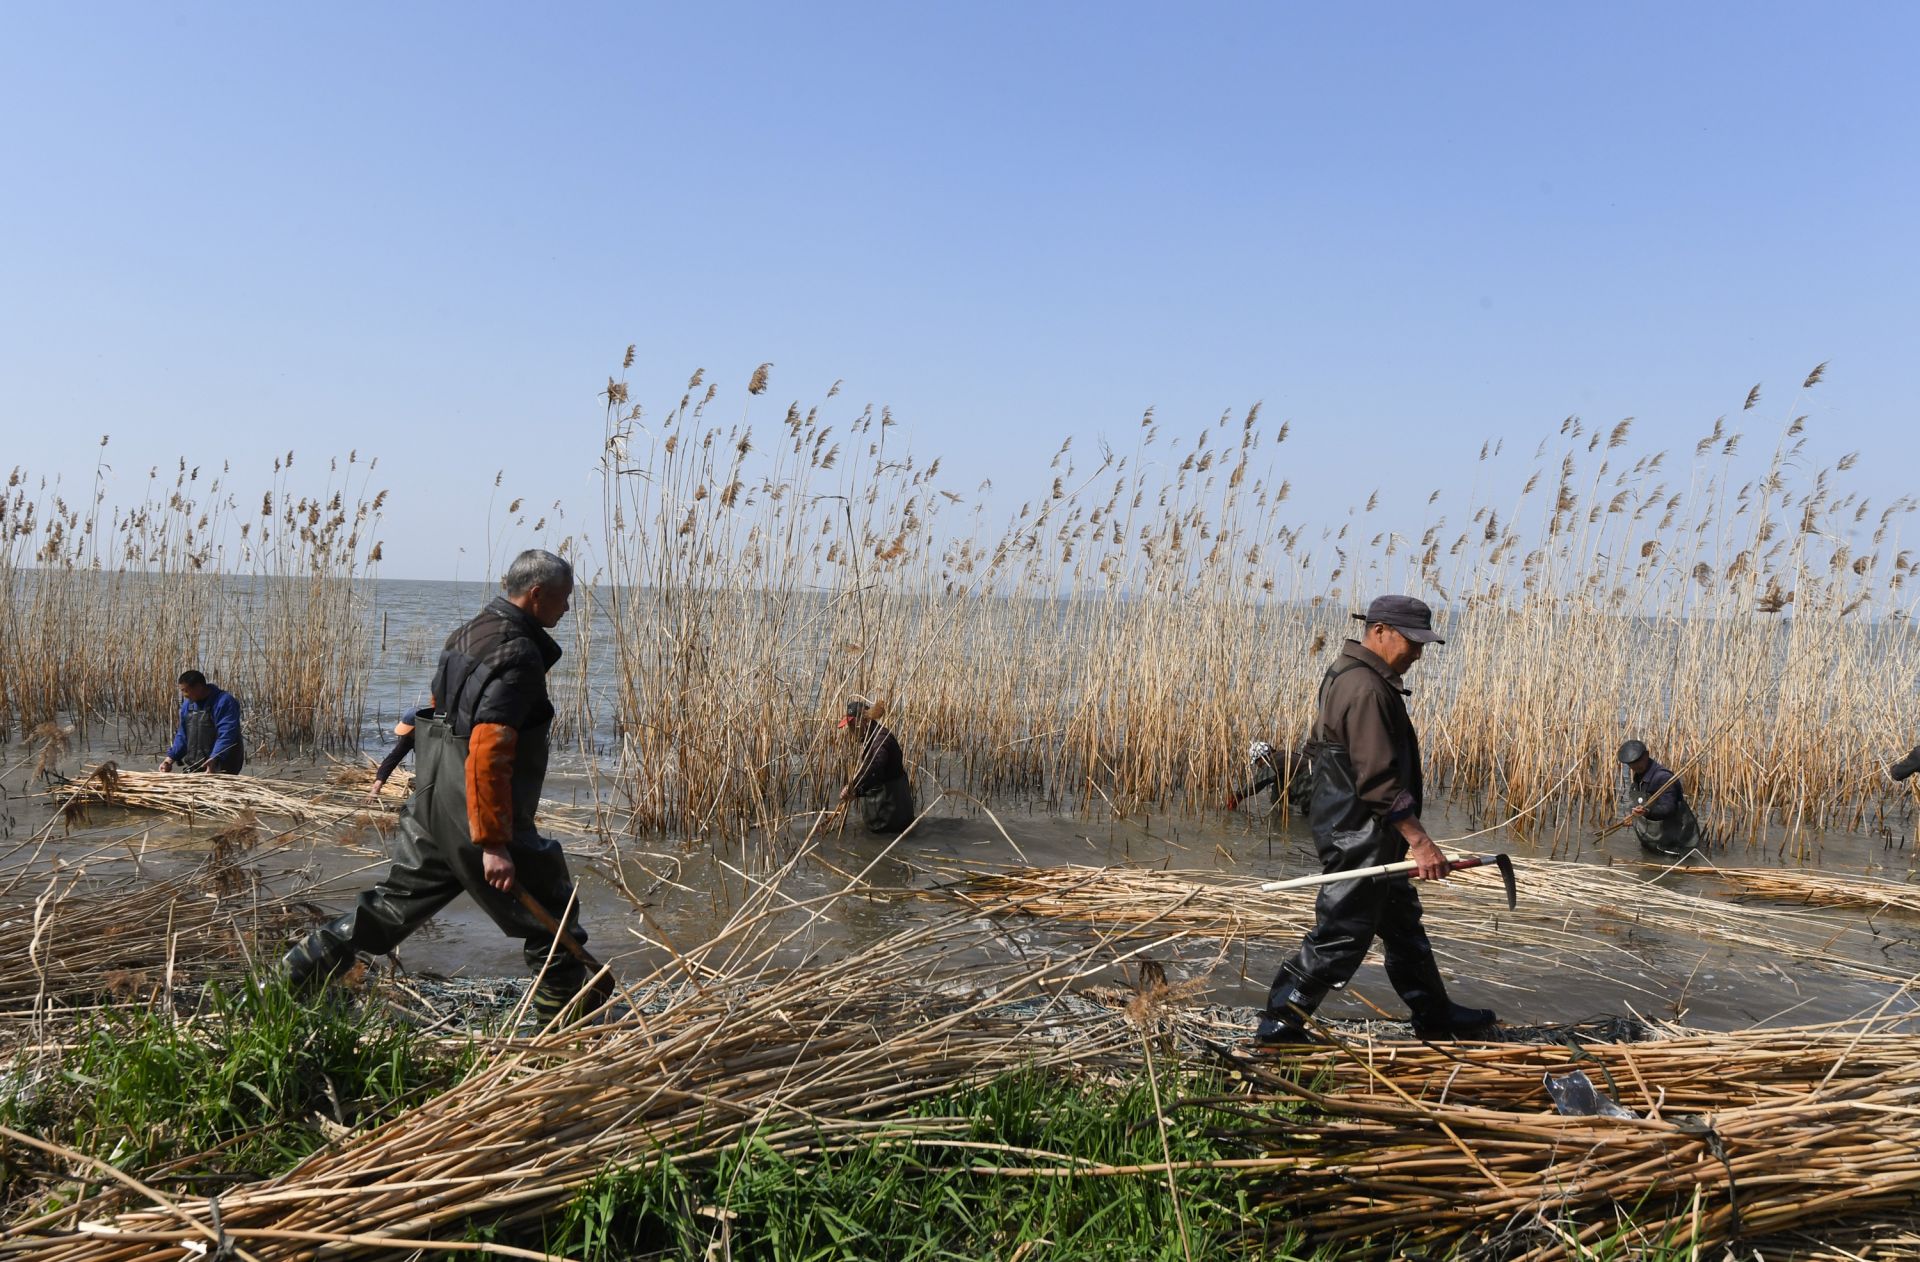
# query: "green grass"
236 1087
918 1202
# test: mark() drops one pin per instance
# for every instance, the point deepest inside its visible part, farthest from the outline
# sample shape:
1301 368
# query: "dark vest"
493 670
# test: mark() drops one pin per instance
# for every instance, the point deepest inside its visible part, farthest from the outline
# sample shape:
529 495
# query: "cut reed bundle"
1823 889
216 797
1409 1146
221 797
1576 911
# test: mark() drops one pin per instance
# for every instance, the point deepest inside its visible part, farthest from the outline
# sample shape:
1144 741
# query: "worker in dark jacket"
403 741
469 826
208 738
1906 766
1662 820
880 779
1288 772
1367 797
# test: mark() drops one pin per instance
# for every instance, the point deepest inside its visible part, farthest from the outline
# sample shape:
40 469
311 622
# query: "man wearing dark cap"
1366 811
1662 820
880 781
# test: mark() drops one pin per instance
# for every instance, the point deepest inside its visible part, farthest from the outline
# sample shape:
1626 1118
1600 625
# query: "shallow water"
1596 959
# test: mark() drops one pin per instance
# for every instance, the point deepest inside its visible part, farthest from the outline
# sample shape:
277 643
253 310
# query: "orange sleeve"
490 751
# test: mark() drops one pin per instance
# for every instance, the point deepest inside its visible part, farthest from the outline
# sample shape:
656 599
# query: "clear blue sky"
429 230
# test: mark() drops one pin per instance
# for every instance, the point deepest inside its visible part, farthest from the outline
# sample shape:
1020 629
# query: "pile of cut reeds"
222 797
350 775
1823 889
77 940
1737 1135
803 1061
1574 909
190 795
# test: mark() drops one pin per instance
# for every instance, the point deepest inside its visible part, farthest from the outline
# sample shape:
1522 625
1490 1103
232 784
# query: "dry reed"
1573 916
223 797
103 604
1116 643
79 939
1742 1136
801 1060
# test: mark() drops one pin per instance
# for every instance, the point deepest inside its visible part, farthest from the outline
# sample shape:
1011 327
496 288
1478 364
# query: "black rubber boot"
1453 1019
314 962
1906 766
1289 1004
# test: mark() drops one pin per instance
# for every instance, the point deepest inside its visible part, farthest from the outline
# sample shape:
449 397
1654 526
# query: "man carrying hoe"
1366 811
208 738
1662 820
469 826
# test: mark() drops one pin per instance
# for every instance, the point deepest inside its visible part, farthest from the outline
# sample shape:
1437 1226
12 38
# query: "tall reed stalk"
1115 643
102 605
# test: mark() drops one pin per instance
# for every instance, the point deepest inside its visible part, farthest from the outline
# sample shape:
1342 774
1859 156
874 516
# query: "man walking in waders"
481 760
1365 811
208 738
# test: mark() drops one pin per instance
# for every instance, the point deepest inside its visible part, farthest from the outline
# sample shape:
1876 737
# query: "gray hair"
536 567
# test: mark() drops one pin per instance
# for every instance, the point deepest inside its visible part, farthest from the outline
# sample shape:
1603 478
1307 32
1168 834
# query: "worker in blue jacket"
209 737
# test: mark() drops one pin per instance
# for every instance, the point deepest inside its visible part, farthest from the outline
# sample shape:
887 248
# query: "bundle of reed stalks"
801 1060
1823 889
217 797
1410 1146
350 775
1576 911
221 797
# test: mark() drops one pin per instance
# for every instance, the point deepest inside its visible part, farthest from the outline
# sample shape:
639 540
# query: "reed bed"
1576 915
103 603
802 1061
1115 642
1738 1136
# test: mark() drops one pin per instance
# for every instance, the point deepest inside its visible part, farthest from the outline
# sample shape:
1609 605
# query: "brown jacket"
1363 707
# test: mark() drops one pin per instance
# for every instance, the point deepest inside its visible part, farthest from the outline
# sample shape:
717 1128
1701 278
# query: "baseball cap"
1404 614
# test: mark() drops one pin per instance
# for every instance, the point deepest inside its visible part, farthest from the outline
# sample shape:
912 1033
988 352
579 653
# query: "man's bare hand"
1422 850
497 865
166 764
373 794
